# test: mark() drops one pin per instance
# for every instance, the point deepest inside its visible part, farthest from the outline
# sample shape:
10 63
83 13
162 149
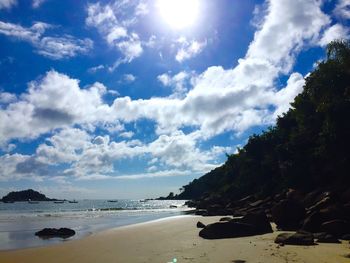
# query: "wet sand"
177 237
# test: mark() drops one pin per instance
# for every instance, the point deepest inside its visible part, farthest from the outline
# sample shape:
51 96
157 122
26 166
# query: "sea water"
20 220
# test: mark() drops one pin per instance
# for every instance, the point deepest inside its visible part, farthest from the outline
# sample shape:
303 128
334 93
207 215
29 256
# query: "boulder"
54 232
336 227
201 212
226 230
327 238
217 209
346 237
313 222
191 203
288 214
200 225
226 218
299 238
249 225
323 203
260 222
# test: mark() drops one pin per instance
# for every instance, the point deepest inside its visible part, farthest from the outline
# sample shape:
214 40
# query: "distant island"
25 195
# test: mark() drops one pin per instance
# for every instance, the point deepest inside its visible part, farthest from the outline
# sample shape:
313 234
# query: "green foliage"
308 147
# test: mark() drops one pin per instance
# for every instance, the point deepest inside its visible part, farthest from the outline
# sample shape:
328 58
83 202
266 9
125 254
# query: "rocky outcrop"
249 225
288 214
25 195
336 227
298 238
54 232
200 225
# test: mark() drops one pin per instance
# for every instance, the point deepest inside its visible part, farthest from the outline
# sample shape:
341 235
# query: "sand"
163 240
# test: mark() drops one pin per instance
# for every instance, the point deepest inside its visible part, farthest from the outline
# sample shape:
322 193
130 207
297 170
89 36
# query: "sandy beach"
163 240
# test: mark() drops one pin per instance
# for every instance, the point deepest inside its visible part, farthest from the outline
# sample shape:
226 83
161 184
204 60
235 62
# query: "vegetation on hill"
307 148
25 195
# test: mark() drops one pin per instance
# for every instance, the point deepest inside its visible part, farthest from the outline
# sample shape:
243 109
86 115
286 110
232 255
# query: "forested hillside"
309 147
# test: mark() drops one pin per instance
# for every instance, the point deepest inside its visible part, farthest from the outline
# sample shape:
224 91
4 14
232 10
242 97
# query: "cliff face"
25 195
308 148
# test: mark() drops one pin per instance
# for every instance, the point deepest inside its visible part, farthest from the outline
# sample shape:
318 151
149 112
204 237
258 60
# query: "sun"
179 14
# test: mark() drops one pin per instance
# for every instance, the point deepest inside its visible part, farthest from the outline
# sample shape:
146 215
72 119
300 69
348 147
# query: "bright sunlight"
179 14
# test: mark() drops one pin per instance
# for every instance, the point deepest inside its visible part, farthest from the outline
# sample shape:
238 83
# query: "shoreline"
17 229
164 239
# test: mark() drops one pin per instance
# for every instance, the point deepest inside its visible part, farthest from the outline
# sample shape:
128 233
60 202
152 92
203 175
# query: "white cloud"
165 173
129 78
37 3
189 49
107 19
61 47
334 32
6 97
219 100
52 102
7 4
95 69
179 82
342 9
286 95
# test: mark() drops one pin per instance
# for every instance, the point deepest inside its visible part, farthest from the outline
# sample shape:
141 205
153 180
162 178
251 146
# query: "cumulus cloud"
113 24
6 97
129 78
189 49
90 157
62 47
334 32
342 9
52 102
216 101
179 82
7 4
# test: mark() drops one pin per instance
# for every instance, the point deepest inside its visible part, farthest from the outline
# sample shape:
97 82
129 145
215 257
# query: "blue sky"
135 98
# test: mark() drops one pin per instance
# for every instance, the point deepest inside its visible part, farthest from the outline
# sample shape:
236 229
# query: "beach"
162 241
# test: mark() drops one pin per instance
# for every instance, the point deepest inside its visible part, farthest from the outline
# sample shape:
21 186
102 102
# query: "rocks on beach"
298 238
249 225
54 232
322 213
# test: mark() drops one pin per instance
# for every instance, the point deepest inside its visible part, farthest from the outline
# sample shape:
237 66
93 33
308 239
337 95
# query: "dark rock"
226 230
217 209
311 198
249 225
327 238
200 225
25 195
293 194
346 237
259 221
288 214
54 232
257 203
226 218
201 212
323 203
191 203
299 238
336 227
313 222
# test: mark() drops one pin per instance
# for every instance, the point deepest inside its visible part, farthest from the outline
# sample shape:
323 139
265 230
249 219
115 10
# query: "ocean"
20 220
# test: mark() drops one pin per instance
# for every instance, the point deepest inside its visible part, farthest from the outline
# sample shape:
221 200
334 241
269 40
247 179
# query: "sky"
136 98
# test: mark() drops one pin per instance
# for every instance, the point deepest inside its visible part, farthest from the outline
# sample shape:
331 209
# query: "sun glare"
179 13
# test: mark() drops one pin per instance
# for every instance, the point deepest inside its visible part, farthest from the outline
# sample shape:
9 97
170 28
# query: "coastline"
164 239
19 221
